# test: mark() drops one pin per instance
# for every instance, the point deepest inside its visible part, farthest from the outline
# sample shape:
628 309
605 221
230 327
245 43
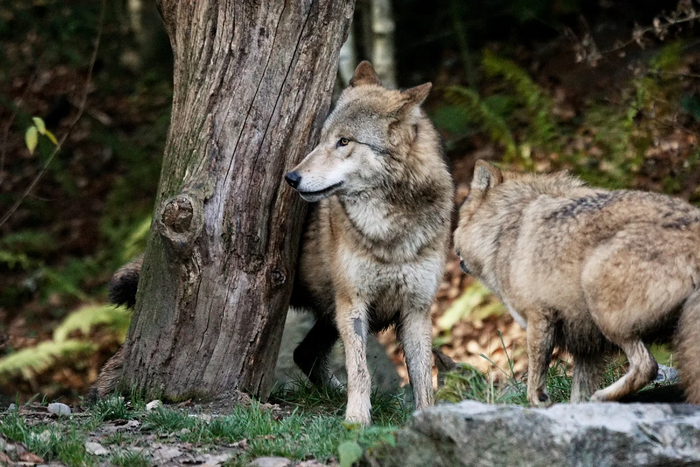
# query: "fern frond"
492 122
136 242
36 359
12 259
537 102
85 318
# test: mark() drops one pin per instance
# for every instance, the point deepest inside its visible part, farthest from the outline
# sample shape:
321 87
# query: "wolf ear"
416 95
412 98
365 74
486 176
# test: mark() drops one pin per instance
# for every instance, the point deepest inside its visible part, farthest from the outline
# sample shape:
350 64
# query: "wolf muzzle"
293 178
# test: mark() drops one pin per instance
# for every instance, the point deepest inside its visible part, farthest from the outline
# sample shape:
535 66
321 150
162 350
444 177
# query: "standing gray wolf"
374 248
376 236
589 270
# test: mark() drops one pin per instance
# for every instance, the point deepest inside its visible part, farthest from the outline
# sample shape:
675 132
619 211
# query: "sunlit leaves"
31 136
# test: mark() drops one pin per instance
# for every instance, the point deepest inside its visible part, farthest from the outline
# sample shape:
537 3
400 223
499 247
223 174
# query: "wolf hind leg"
540 345
415 335
587 372
642 370
688 348
312 355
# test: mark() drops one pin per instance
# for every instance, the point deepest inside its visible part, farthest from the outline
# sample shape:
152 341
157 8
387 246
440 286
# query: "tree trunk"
383 42
252 85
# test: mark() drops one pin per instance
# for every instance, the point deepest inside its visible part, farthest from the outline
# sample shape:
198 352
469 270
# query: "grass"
307 423
468 383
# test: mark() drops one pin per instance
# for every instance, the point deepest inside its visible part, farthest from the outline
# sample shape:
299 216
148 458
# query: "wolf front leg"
351 317
415 334
540 345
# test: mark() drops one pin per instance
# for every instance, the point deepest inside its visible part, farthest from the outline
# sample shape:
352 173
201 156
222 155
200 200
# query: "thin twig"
93 58
641 32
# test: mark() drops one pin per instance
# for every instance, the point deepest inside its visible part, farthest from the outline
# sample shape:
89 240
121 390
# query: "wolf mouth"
320 194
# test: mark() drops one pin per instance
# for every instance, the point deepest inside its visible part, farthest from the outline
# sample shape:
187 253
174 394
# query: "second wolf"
375 240
589 270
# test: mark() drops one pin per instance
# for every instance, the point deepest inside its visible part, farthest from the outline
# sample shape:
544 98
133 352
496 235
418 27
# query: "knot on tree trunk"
177 214
180 220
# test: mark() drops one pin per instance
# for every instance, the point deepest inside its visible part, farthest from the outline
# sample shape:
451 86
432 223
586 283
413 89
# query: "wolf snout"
293 178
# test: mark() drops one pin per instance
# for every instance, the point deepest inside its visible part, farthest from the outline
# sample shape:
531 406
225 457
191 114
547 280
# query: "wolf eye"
343 142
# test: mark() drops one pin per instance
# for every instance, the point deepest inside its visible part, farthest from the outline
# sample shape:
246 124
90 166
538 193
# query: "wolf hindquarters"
688 348
122 291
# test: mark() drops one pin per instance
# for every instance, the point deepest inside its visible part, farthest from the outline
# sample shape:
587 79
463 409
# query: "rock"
384 375
270 462
592 434
153 405
11 407
667 374
59 408
96 449
44 437
164 453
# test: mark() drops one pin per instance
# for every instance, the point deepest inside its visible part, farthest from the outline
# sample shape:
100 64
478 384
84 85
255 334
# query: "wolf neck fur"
379 219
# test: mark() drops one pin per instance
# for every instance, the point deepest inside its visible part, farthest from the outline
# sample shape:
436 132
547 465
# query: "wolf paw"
599 396
541 400
362 419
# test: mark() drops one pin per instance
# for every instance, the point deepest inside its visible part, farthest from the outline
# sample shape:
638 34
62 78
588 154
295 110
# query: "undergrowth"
306 422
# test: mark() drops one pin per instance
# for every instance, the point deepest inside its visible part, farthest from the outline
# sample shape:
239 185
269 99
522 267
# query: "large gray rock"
594 434
384 375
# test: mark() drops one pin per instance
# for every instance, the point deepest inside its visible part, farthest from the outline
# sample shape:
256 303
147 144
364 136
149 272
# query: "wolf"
589 270
375 238
375 245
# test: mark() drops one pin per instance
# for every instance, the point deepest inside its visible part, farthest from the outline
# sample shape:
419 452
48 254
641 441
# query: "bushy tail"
688 347
122 291
124 282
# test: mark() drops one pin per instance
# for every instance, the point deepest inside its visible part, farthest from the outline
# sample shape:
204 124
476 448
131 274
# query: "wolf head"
363 141
486 178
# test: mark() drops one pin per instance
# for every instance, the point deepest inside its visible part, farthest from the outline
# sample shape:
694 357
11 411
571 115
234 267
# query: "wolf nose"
293 178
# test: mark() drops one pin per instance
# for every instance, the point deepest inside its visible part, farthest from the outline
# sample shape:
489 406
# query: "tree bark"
252 85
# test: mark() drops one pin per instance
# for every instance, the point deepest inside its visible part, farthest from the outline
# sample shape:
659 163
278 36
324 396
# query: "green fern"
85 318
14 259
136 242
33 360
542 125
479 111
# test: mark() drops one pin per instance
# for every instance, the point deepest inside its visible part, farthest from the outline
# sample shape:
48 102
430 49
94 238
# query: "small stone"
59 408
96 449
667 374
166 453
11 407
153 405
44 437
270 462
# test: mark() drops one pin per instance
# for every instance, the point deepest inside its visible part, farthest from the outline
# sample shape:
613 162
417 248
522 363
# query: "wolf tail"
687 347
122 291
124 282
